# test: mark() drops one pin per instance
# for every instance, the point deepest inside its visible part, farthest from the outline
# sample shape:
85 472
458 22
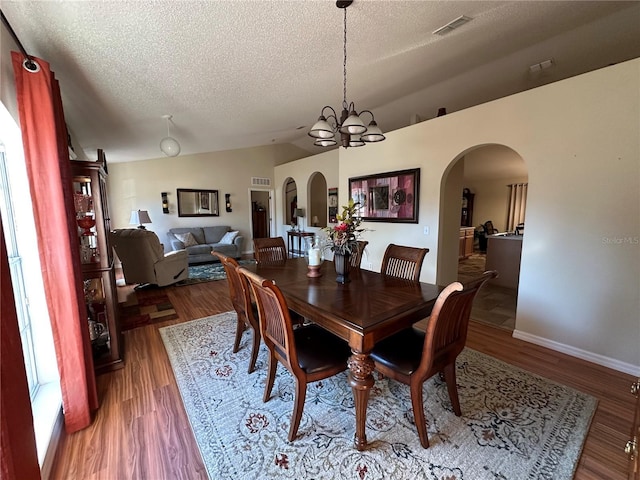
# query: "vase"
342 263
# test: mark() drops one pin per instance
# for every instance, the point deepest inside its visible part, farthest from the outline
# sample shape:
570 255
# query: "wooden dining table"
369 308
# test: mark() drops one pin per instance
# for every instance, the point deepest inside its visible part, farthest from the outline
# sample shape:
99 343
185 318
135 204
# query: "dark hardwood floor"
141 430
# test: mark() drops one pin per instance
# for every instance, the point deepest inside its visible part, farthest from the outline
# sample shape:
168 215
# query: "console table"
291 242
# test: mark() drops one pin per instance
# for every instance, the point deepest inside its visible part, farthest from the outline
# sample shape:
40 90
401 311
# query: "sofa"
199 242
143 258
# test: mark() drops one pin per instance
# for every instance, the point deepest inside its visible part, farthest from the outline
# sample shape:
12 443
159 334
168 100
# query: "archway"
317 200
290 195
484 172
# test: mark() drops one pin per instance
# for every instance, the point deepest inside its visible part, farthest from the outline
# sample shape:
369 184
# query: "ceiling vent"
452 25
260 182
538 67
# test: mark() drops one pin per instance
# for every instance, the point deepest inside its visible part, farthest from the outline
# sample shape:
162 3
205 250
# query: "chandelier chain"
344 64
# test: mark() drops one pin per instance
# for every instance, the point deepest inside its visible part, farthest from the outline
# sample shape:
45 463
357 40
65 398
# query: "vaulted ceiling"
244 73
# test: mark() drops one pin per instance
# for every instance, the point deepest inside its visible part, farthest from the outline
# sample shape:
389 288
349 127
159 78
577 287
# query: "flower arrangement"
342 238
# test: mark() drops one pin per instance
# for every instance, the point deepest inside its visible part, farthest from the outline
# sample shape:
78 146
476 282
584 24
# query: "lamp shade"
373 133
299 212
138 217
321 129
353 125
170 147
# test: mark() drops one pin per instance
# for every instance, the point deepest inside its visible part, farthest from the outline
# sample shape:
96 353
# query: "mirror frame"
214 203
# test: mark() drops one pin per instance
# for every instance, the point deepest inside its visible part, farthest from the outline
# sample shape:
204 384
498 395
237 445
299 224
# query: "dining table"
367 309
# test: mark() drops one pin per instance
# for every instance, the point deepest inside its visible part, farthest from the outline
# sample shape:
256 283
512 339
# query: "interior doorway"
262 213
483 174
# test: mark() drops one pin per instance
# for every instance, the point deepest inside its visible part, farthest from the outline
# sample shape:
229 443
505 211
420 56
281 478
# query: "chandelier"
353 132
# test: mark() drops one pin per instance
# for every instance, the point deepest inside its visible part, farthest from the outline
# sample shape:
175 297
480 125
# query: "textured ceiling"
240 73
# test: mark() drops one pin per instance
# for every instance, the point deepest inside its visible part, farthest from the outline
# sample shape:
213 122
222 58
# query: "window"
15 266
31 306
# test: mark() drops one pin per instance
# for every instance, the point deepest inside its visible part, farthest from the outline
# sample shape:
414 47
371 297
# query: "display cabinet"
96 257
466 215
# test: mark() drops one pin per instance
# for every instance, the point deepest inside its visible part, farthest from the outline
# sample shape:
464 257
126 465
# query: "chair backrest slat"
276 327
446 332
356 258
403 262
269 250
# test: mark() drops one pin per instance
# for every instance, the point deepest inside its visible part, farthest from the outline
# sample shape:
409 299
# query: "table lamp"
299 213
138 217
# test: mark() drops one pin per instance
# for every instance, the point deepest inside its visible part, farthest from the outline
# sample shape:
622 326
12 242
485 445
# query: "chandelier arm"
333 112
369 112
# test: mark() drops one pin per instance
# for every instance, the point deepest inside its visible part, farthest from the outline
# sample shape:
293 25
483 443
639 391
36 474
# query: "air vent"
452 25
260 182
538 67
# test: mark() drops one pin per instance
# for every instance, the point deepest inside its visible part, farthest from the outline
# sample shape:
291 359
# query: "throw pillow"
229 237
186 238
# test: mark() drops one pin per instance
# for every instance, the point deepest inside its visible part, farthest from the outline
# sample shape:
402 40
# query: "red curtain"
46 154
18 455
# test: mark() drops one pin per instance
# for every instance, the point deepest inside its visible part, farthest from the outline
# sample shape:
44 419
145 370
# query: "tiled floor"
494 305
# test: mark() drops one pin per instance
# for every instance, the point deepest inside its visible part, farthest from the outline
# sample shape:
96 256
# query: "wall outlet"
426 230
370 266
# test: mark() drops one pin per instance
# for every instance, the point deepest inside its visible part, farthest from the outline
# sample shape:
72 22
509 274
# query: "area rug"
207 272
140 312
515 425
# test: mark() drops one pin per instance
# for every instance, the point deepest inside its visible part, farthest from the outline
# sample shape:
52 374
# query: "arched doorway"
290 195
477 184
317 200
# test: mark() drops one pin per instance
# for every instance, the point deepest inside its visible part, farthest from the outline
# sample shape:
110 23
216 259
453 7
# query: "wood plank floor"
141 430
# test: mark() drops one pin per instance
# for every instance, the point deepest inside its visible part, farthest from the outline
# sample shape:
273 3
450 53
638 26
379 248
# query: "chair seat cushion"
402 352
319 350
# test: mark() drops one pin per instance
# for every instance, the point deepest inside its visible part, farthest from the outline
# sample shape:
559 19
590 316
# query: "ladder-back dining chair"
309 352
356 258
269 250
246 309
413 356
403 262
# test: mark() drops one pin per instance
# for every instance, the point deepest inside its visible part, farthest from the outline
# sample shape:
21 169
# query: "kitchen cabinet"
466 239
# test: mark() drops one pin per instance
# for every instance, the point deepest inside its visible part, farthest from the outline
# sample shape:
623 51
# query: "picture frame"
332 204
197 202
387 197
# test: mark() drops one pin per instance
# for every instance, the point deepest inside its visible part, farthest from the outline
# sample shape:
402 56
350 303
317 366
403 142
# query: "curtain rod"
29 64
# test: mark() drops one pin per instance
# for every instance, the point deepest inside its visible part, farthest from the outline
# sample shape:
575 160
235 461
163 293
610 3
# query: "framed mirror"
197 203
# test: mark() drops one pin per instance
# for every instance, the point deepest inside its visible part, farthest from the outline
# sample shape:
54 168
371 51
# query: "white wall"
579 283
301 170
138 185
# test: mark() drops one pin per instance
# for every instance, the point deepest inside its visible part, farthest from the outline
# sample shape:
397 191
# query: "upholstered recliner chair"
143 258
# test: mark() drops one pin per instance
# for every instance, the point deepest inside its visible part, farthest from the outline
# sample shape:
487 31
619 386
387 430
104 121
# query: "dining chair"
403 262
356 258
309 352
246 309
269 250
412 356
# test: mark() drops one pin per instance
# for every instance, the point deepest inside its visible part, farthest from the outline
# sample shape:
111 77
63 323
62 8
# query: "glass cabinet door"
83 202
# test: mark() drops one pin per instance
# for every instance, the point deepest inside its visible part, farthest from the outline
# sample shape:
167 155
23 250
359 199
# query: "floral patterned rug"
514 425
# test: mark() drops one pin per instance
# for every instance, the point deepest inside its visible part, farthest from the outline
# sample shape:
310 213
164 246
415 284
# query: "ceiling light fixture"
353 132
169 145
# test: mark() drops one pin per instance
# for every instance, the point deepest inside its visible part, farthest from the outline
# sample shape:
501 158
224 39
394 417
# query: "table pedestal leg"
361 380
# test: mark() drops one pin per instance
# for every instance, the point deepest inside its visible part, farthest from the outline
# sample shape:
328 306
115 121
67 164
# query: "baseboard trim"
579 353
52 448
